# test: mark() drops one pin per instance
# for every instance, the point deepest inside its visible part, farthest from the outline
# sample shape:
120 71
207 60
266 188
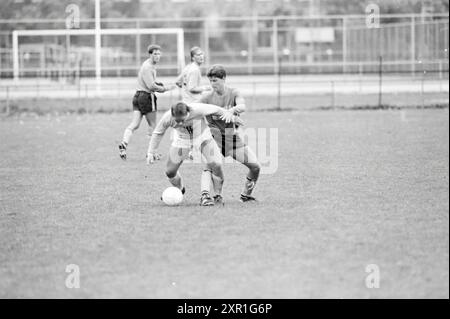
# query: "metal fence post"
79 90
413 46
7 101
344 44
253 94
118 86
333 95
380 92
422 86
250 45
206 42
275 45
279 83
138 46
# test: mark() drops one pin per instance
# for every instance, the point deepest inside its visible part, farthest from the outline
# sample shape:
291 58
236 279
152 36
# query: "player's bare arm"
157 135
155 86
202 109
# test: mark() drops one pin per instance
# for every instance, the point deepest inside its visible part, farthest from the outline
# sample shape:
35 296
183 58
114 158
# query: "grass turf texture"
107 104
352 188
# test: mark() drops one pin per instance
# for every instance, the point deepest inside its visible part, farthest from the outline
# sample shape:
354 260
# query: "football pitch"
352 189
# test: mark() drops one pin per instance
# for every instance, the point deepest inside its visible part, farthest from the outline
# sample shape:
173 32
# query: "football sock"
177 181
149 148
150 133
253 173
217 184
127 136
205 182
249 186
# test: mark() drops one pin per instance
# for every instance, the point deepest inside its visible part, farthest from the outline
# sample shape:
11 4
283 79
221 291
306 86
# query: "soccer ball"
172 196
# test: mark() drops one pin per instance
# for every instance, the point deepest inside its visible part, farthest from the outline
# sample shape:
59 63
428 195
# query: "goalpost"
16 34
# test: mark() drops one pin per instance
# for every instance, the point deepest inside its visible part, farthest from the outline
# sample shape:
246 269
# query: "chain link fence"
246 45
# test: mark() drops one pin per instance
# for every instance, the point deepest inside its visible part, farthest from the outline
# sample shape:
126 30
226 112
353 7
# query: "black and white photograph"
224 150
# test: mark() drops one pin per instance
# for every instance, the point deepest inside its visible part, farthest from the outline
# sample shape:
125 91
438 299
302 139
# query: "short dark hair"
179 109
194 50
153 47
217 71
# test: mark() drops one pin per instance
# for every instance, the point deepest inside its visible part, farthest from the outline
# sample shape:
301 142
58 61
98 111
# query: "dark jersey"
227 100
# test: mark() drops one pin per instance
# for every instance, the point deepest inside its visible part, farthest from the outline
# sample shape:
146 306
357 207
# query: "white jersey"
191 77
193 131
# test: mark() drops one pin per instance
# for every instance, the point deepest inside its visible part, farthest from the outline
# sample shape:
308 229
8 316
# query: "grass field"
299 102
352 188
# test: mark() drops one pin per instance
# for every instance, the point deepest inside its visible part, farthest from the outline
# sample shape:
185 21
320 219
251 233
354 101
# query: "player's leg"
213 157
247 157
133 126
151 120
174 161
205 185
207 178
205 181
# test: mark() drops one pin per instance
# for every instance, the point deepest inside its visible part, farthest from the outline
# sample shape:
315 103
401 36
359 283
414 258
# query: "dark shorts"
144 102
227 143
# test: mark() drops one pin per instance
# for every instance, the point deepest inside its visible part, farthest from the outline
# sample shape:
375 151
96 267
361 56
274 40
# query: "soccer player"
191 77
190 80
226 135
144 100
191 129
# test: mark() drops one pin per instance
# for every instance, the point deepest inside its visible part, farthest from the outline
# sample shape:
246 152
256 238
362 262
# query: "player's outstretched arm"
165 88
156 138
202 109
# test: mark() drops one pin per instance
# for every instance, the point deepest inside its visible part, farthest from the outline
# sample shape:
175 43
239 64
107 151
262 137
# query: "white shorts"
185 141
